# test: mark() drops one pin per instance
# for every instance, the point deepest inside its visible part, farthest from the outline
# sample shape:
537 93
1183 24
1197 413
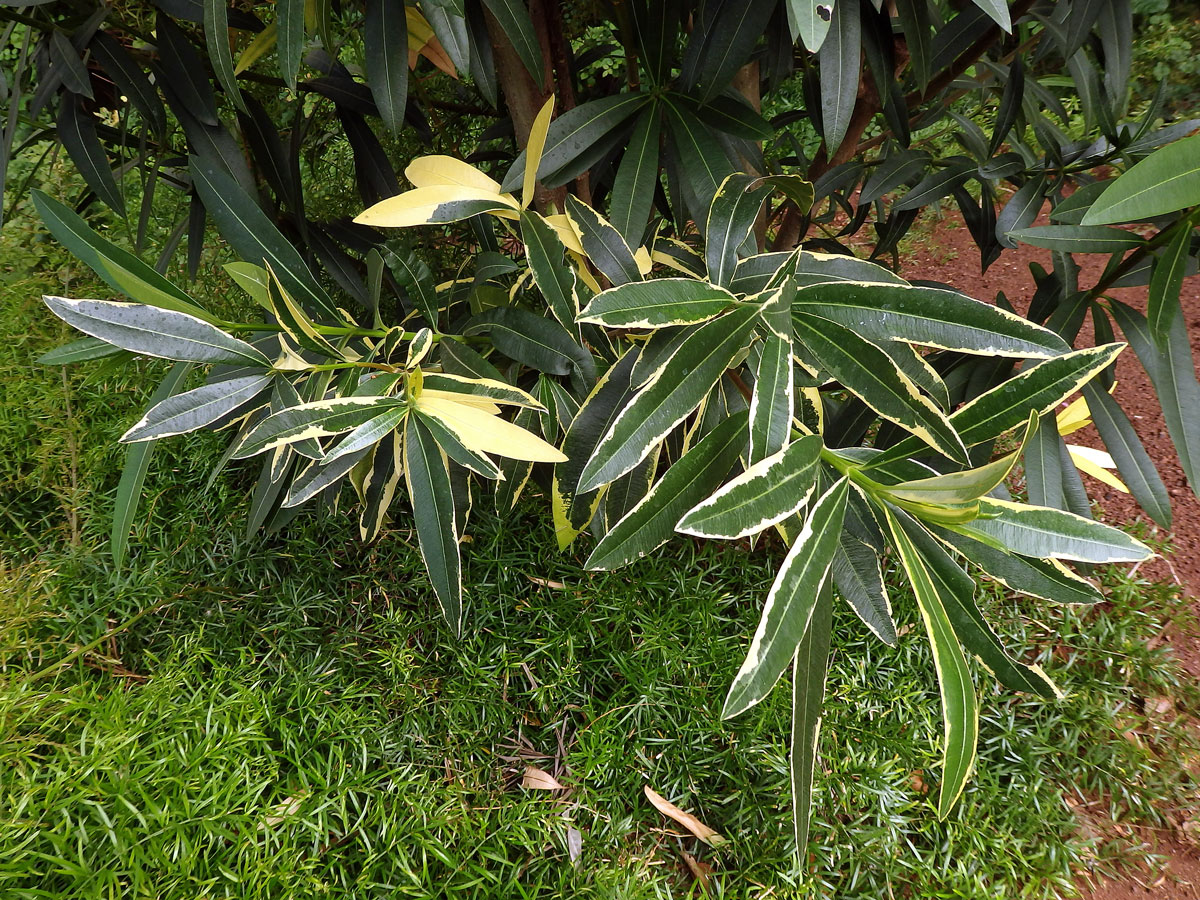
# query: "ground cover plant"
668 370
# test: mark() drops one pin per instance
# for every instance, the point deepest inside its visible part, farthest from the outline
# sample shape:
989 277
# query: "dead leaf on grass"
547 583
700 870
687 820
539 780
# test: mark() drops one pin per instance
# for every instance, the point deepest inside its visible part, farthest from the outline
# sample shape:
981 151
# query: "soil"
952 257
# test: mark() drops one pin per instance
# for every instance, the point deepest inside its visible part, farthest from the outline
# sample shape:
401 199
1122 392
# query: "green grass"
289 718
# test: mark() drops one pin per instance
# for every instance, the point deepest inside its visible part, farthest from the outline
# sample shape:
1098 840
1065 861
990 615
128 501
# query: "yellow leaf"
483 403
533 150
565 229
486 433
642 257
417 207
262 44
1096 463
426 171
515 396
687 820
1075 416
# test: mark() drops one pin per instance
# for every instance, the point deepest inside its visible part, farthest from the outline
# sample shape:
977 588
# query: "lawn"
286 715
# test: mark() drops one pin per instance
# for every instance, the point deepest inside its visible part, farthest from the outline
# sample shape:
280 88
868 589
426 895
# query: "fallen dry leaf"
700 870
687 820
546 582
539 780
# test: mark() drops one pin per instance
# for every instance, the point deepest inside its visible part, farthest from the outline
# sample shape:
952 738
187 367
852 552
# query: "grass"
286 716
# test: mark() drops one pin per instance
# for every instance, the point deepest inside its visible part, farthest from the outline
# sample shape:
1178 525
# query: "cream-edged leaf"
485 433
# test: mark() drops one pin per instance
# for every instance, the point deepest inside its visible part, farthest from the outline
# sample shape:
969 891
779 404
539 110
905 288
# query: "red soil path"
951 257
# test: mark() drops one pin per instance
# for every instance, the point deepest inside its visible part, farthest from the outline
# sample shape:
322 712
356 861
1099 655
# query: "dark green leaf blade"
133 474
960 706
687 378
1166 180
869 373
385 39
790 603
603 244
433 513
658 303
764 495
633 189
929 316
809 669
652 521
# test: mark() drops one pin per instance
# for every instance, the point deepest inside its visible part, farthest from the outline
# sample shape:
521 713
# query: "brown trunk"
522 95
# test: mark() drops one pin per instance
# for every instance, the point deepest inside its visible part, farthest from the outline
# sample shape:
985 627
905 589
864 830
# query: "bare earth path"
954 259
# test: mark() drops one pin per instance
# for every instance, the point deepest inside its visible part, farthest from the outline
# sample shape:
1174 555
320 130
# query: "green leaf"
1043 465
658 303
729 40
1134 464
1166 180
433 514
960 487
153 331
81 350
869 374
809 669
133 473
998 10
956 590
120 269
1044 579
1038 389
809 20
633 189
194 409
1172 371
320 418
289 20
574 132
765 494
514 21
380 477
254 236
553 276
385 40
960 706
540 343
840 59
318 476
684 382
572 508
216 36
813 268
930 316
1166 283
771 406
414 278
603 244
76 133
790 603
1053 534
252 279
1078 238
731 215
702 163
295 323
366 435
693 476
857 576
